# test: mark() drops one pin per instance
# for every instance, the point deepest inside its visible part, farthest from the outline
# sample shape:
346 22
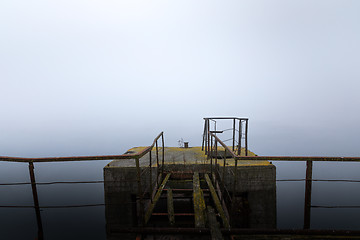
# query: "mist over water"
98 78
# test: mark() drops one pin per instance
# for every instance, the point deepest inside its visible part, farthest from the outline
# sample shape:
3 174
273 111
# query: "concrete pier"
253 202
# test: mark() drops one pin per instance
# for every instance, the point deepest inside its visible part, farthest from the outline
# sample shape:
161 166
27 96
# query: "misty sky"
98 77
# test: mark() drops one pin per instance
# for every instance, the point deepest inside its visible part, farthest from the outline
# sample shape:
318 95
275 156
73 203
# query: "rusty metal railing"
142 190
211 142
239 131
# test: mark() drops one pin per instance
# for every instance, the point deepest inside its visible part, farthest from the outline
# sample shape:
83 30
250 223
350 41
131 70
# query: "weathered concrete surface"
255 188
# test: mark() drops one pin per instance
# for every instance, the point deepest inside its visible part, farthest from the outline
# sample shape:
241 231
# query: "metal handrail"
224 145
83 158
285 158
210 136
222 118
135 156
240 133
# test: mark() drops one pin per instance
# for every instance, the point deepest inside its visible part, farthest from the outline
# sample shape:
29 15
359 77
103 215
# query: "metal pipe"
206 135
307 204
246 137
239 138
299 158
224 145
223 176
216 155
221 118
203 140
163 155
233 145
211 156
157 163
235 178
288 158
83 158
36 201
150 183
208 138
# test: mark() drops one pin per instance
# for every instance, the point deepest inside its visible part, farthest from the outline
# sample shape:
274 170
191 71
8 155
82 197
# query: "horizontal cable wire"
317 180
120 204
68 206
65 206
48 183
100 181
226 129
315 206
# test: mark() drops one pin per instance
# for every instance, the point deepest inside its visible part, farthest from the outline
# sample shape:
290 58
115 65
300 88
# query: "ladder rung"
156 198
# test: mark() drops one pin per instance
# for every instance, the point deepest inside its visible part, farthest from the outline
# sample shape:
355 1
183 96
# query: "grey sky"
88 77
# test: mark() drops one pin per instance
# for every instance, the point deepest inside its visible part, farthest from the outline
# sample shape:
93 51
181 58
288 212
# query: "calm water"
89 222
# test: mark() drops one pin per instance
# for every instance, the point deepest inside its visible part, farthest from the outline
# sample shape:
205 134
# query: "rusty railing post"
163 155
150 173
240 136
233 145
208 138
157 162
246 137
223 177
36 201
307 205
211 156
204 136
235 177
216 156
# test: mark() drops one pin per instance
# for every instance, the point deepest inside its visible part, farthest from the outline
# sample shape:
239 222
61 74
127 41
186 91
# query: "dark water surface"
89 222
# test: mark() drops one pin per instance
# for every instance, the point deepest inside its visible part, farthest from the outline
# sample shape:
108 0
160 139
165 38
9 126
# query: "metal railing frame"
211 141
135 156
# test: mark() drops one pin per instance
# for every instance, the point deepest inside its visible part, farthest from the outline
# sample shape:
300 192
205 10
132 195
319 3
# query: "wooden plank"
170 207
156 198
214 225
217 202
199 202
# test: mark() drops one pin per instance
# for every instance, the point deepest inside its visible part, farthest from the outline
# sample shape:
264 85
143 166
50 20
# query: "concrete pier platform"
254 199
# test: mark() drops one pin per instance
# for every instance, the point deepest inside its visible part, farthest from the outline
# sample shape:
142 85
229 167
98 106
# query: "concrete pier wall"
255 194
